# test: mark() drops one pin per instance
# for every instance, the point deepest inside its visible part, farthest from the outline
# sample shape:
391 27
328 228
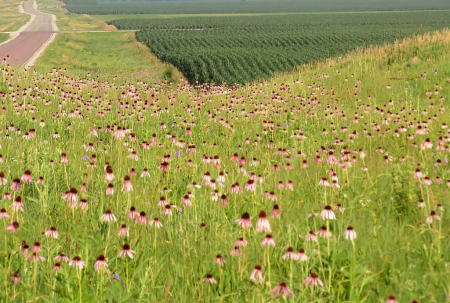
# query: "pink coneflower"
16 184
127 187
26 177
61 257
145 173
271 196
133 213
162 202
209 279
133 172
268 240
167 211
219 260
290 185
6 196
12 227
281 289
327 213
313 281
109 176
15 278
52 233
433 217
280 185
164 166
245 221
311 236
57 267
36 247
302 255
83 204
236 251
186 201
123 231
323 232
156 222
77 262
4 214
263 225
36 257
142 219
440 207
108 216
257 273
241 242
71 196
126 251
290 254
101 262
350 234
17 204
64 158
391 299
275 213
40 181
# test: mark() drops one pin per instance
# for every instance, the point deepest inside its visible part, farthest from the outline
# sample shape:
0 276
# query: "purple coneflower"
77 262
16 184
6 196
126 251
142 219
57 267
167 210
52 233
281 289
12 227
241 242
110 190
61 257
40 181
268 240
302 255
101 262
433 217
311 236
15 278
312 281
219 260
209 279
156 222
327 213
275 213
391 299
290 254
350 234
17 204
263 225
127 187
123 231
36 257
108 216
26 177
236 251
3 214
245 221
323 232
257 273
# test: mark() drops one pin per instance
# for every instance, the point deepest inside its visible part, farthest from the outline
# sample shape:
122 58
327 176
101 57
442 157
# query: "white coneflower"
421 203
433 217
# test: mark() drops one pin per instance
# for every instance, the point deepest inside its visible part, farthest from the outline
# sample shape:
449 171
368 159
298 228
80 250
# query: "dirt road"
23 47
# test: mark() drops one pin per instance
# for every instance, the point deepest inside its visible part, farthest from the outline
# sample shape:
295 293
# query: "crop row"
241 49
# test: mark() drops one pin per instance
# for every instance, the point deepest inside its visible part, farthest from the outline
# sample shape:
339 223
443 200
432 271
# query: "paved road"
23 47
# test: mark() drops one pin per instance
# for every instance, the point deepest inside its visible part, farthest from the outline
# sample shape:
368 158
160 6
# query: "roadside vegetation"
327 184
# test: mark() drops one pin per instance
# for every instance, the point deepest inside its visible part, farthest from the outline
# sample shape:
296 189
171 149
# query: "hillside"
328 184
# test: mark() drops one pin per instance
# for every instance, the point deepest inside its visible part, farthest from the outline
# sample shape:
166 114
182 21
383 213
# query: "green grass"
104 54
10 18
393 254
3 37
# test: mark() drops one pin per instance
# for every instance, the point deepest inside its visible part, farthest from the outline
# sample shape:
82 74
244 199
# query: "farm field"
326 184
108 55
105 7
239 49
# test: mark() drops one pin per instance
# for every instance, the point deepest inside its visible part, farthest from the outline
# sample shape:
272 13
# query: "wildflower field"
328 184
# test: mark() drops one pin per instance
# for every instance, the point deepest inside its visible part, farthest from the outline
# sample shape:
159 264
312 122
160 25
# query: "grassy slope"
10 18
393 254
105 54
3 37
